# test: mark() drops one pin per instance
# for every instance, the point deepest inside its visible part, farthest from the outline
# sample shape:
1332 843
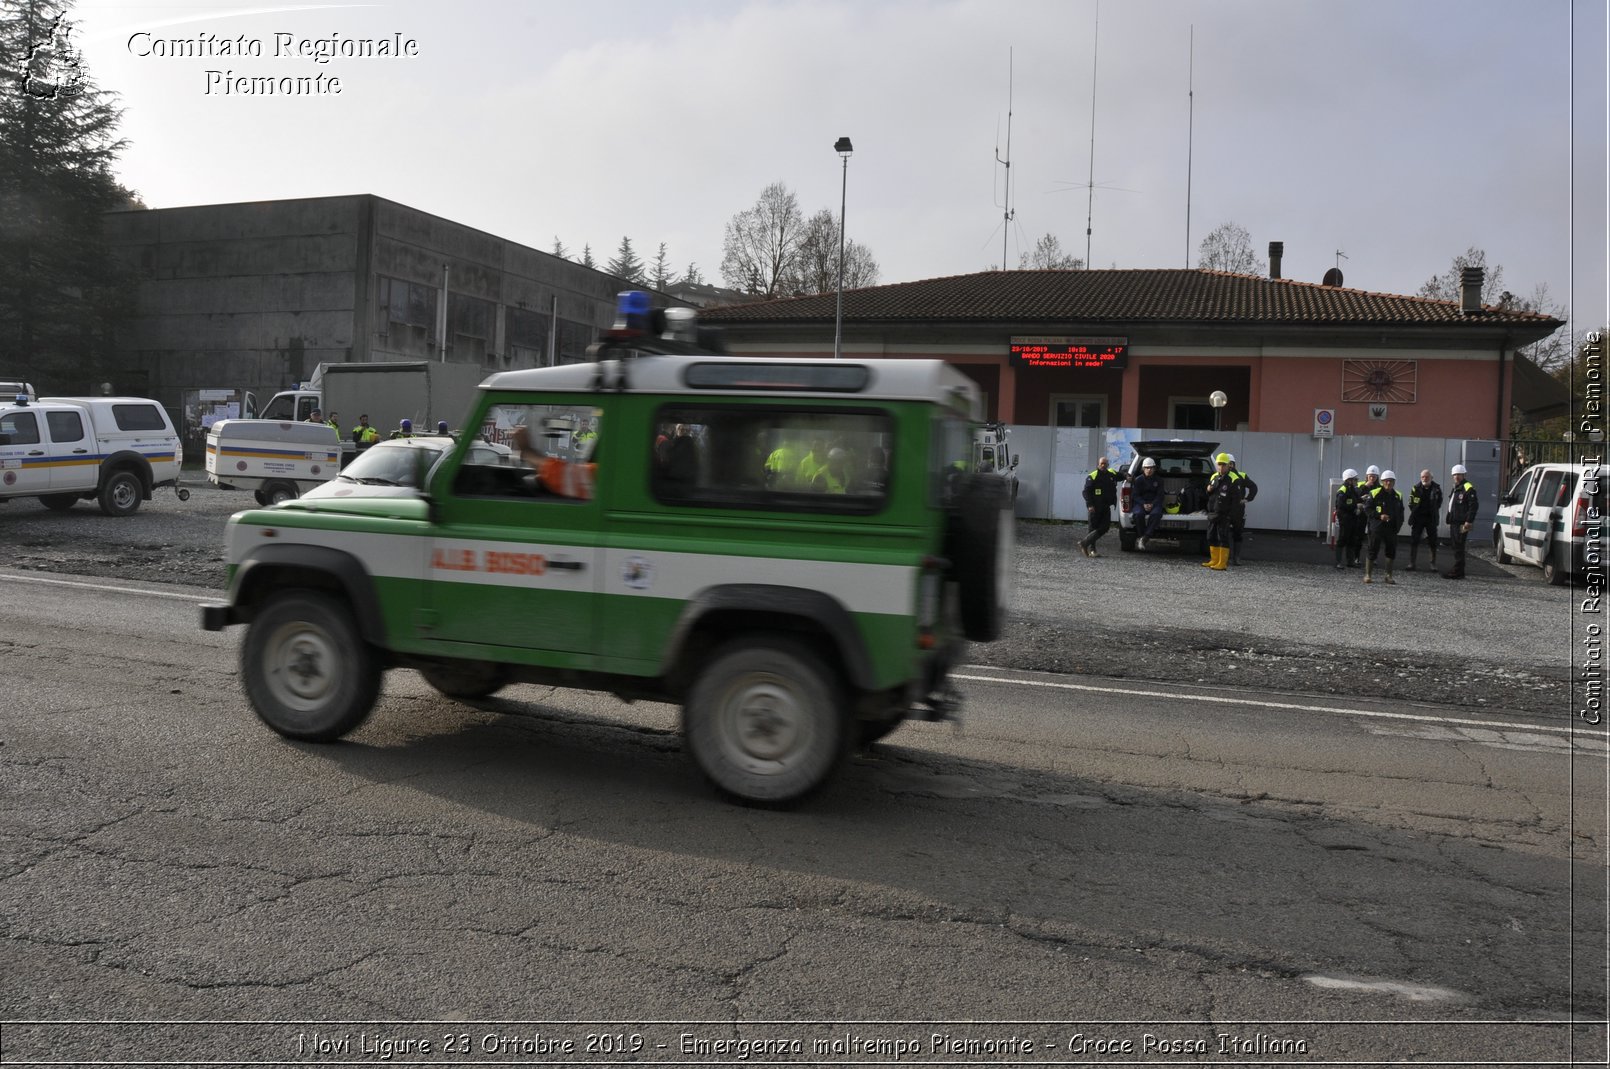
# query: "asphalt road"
1094 869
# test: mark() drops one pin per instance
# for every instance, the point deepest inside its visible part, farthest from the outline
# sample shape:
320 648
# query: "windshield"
392 464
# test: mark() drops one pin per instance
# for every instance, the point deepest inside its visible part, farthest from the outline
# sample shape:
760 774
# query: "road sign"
1324 423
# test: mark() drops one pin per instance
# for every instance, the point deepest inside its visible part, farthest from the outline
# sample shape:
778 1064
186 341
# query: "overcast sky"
1400 132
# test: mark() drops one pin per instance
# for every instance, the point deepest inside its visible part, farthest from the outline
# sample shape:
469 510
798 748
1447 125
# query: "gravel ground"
1285 621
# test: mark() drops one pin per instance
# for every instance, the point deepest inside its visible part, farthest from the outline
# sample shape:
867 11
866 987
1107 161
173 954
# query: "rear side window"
23 427
774 458
139 418
64 426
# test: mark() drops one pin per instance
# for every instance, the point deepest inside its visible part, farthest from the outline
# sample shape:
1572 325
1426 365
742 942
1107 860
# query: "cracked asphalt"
546 865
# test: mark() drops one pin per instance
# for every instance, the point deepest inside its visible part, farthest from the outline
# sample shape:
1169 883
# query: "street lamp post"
843 147
1218 399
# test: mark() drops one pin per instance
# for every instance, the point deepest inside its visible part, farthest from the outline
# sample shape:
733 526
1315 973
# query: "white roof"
903 380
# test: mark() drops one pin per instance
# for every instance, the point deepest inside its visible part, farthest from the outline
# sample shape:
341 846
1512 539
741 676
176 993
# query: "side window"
23 427
1517 490
139 418
64 426
533 452
771 457
1550 486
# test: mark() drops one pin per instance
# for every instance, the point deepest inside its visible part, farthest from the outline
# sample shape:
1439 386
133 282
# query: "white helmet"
1372 470
1350 473
1148 463
1458 469
1389 476
1231 456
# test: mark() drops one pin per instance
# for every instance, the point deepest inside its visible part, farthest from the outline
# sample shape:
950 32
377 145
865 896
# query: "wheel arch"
718 614
127 460
268 569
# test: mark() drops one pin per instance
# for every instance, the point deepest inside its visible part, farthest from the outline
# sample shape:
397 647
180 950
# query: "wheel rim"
124 494
763 724
302 666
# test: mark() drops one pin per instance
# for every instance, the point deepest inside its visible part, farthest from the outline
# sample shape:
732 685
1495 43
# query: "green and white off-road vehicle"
795 551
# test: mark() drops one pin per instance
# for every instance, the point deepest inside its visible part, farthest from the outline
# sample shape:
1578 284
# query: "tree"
1229 248
1553 352
587 257
761 245
693 276
626 265
559 249
660 272
62 292
1450 286
817 263
1048 255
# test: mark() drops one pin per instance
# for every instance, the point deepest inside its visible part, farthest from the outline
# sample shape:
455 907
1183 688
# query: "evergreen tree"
559 249
62 293
587 257
660 273
626 265
692 276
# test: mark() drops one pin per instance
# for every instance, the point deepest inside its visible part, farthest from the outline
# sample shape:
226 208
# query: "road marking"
1175 695
104 589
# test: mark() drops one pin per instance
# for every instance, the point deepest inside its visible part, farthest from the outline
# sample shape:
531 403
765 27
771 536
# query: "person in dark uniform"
1101 490
1462 505
1386 516
1238 522
1425 510
1146 501
1348 507
1223 497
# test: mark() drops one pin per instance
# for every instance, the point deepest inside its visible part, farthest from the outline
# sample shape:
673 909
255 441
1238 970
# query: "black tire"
121 493
765 721
466 680
1499 553
1126 541
58 502
275 492
979 545
1553 574
307 671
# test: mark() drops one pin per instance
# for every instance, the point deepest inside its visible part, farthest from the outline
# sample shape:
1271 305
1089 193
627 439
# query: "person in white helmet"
1348 509
1146 501
1385 510
1462 506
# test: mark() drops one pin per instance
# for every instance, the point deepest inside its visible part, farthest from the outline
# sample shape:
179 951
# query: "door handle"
36 452
81 450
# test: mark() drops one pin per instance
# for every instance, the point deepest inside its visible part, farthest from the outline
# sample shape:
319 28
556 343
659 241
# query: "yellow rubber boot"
1221 558
1213 558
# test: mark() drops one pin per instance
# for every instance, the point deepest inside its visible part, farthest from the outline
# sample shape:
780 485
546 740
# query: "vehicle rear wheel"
120 494
261 500
1499 553
276 492
307 671
58 502
466 680
979 545
1553 574
765 721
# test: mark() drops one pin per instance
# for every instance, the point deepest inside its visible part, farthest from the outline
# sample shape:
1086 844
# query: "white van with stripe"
794 551
112 450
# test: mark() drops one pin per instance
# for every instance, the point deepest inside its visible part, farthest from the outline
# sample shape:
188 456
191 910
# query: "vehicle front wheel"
466 680
307 671
1499 553
120 494
58 502
1553 574
765 721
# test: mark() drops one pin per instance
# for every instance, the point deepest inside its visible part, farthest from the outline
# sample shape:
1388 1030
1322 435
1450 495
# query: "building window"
1074 410
526 337
573 341
407 313
1190 414
469 326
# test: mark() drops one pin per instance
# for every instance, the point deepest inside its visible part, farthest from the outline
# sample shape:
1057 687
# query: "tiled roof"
1180 295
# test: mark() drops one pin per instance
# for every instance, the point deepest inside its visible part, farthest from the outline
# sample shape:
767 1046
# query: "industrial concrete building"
254 296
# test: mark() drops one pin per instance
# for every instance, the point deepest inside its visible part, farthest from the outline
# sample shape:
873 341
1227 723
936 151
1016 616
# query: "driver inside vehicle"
571 477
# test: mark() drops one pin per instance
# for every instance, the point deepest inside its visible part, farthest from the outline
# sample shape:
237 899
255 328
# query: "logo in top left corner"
54 67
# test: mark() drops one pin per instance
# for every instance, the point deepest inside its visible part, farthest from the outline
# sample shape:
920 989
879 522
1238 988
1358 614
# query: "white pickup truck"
114 450
275 460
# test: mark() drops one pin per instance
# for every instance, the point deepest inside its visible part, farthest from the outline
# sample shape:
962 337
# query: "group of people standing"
1228 492
1375 510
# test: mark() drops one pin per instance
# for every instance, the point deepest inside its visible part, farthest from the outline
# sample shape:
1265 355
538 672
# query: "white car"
113 450
390 468
1548 517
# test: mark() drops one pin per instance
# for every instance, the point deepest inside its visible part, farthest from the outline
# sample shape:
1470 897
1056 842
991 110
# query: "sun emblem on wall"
1379 380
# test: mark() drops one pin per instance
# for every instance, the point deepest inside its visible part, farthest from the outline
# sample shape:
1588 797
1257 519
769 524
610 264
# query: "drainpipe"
1498 430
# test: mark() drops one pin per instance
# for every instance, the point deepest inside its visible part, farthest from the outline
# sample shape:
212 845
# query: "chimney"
1277 249
1470 290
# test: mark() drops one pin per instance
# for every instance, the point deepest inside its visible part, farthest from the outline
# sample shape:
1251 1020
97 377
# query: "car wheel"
276 492
58 502
765 722
262 499
120 494
1499 553
307 672
1553 574
466 680
979 545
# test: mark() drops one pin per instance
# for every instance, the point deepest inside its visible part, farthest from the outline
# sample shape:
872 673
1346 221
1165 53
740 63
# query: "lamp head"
843 147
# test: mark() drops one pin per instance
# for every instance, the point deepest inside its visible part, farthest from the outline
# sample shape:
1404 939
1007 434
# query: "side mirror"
1014 463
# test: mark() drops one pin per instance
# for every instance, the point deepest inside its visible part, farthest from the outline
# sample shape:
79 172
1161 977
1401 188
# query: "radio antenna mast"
1090 201
1190 139
1006 217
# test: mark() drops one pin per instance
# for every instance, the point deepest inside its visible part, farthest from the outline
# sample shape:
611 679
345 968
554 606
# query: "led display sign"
1070 352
